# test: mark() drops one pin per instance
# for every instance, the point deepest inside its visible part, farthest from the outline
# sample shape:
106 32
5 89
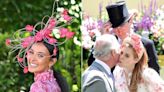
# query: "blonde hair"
137 72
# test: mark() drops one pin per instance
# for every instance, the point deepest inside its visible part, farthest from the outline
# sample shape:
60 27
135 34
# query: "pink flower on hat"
29 28
47 33
137 48
26 42
137 43
25 70
52 40
67 17
52 24
135 37
39 36
19 59
8 42
69 35
65 12
63 32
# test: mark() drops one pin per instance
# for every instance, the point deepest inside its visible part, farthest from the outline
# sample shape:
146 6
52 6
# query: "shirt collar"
106 67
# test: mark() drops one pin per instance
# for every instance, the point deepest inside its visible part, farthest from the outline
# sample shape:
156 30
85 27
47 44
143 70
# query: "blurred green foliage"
16 14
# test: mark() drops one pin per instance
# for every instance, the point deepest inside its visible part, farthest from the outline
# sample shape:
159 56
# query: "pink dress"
151 81
45 82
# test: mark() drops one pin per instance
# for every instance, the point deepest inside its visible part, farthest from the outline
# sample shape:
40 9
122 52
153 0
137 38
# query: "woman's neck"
128 74
46 70
129 69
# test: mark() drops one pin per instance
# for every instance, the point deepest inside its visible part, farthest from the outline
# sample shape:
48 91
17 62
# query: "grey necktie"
111 75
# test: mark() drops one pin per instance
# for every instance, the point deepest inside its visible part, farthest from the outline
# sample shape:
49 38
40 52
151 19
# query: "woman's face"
126 57
38 58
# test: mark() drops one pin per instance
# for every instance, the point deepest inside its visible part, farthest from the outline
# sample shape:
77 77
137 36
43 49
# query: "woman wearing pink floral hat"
132 73
38 51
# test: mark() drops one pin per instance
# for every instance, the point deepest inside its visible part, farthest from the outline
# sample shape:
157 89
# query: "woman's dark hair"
51 48
59 78
61 81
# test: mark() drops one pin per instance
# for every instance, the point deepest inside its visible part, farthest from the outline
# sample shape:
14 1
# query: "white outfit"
151 81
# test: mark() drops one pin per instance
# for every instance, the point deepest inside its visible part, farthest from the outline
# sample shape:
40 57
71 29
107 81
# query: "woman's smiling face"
38 58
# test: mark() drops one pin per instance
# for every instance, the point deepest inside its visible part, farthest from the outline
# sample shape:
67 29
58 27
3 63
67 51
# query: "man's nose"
118 30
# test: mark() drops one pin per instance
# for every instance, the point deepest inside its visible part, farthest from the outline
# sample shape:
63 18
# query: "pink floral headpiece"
135 41
50 32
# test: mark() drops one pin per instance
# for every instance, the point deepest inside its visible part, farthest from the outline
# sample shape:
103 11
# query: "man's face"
122 31
115 58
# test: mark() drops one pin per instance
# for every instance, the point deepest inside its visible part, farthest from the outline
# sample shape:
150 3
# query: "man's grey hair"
104 44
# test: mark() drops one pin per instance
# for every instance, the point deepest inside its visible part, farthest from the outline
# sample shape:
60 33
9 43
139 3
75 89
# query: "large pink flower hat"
52 30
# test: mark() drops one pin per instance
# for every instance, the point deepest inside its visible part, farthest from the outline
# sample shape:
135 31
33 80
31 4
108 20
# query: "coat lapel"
106 74
100 67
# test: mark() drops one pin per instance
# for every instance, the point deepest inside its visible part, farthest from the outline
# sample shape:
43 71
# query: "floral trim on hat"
135 41
50 32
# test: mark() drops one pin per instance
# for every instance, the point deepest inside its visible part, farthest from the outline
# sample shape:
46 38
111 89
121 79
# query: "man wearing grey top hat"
120 21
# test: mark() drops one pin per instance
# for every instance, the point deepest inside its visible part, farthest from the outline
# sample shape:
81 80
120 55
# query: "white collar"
119 41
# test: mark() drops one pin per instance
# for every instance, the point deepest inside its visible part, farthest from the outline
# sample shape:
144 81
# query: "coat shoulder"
147 41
